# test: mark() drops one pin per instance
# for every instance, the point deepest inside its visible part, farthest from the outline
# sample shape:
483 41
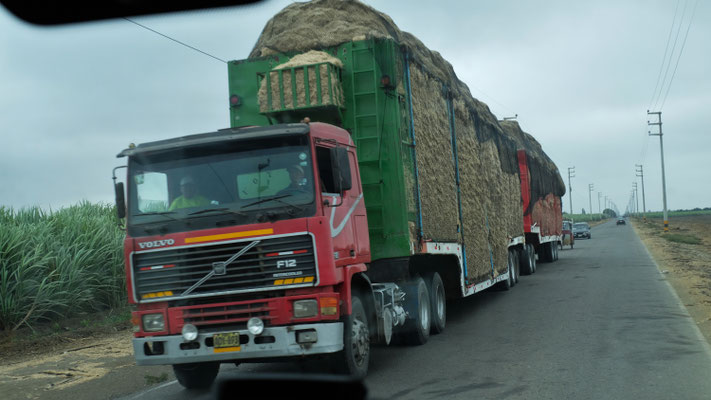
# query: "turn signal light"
329 305
136 322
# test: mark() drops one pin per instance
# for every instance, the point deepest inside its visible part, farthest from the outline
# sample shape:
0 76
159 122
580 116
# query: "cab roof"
221 135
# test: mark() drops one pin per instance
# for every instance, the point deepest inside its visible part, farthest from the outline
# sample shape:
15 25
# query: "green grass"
682 238
55 265
660 214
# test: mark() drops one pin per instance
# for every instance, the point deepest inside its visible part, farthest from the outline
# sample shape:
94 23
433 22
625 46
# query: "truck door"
346 213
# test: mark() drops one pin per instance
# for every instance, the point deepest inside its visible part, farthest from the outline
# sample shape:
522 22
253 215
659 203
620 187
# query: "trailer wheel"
532 254
504 285
555 251
548 252
196 375
438 302
354 358
416 330
517 265
527 257
513 267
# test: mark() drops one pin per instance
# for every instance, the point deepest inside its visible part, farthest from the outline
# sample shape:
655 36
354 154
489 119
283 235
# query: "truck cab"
241 243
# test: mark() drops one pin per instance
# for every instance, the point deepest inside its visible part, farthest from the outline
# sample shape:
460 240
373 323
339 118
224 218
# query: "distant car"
621 221
581 230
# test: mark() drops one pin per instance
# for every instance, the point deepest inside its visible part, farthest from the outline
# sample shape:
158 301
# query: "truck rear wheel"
354 358
196 375
438 302
416 330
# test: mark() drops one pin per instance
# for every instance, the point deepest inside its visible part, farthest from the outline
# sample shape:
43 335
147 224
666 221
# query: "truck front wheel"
197 375
353 359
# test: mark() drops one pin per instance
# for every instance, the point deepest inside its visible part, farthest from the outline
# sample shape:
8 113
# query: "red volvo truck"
281 238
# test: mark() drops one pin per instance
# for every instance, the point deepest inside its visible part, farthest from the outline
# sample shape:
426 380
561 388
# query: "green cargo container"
375 112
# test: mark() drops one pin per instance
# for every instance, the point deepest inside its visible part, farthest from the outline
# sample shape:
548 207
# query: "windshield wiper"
161 213
223 210
273 198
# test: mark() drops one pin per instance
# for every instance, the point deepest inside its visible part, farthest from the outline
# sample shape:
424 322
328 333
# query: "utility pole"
661 148
640 173
605 202
571 174
636 197
599 211
590 190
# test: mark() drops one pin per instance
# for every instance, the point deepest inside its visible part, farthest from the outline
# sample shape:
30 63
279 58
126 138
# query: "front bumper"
330 340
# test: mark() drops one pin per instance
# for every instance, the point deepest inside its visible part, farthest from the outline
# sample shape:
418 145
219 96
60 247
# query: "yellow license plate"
223 342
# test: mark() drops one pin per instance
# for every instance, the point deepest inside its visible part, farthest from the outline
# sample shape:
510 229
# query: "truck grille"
271 264
226 314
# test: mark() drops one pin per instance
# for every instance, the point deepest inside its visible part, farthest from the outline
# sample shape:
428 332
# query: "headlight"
305 308
153 322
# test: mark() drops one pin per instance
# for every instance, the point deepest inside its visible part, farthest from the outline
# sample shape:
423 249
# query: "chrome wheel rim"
424 314
361 342
439 298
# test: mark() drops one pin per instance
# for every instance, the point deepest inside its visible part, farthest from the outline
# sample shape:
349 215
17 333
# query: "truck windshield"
246 182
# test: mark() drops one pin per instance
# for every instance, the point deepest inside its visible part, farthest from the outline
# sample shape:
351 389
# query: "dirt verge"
686 266
76 360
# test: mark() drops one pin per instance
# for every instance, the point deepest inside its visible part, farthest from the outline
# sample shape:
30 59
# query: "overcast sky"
580 76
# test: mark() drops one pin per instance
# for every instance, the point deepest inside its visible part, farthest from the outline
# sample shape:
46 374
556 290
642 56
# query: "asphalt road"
600 323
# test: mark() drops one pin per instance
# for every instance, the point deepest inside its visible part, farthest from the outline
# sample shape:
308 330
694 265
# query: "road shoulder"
684 266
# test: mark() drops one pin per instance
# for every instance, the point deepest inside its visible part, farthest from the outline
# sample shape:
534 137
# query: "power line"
175 40
492 99
671 56
664 58
693 12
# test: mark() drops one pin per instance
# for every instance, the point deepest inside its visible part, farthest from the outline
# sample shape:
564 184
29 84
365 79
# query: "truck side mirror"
120 200
341 169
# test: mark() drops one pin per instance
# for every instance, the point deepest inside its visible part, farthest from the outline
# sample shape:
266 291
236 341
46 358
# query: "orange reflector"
292 281
157 294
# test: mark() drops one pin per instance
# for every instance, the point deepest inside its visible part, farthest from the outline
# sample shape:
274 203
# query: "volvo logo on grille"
219 268
156 243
